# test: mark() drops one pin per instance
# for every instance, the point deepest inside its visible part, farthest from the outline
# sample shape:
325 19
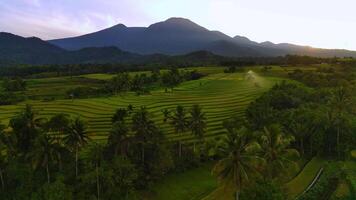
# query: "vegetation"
147 134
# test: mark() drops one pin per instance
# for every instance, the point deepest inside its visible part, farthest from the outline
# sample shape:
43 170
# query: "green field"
221 96
297 186
190 185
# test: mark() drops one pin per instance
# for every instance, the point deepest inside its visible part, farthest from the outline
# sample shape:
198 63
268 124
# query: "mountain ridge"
176 36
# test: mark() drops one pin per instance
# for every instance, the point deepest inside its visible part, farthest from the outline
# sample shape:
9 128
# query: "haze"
318 23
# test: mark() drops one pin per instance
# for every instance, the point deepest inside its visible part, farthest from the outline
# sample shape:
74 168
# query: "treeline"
140 83
190 60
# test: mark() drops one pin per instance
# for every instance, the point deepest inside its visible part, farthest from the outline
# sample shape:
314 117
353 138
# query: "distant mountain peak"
119 26
267 43
177 22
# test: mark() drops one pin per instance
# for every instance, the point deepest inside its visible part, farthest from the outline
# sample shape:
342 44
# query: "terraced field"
221 95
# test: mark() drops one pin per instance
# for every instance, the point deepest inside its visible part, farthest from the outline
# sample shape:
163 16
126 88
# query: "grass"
190 185
304 178
221 96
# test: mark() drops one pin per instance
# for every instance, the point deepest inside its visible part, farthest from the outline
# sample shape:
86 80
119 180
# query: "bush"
263 191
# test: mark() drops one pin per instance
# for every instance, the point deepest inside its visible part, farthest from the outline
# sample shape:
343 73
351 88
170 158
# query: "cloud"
65 18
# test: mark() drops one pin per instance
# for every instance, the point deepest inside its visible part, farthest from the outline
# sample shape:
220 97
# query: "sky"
317 23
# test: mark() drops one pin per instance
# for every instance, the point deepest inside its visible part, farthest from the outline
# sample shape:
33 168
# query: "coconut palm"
25 127
76 137
44 153
143 127
241 162
197 123
95 157
180 122
340 103
276 151
179 119
120 115
118 136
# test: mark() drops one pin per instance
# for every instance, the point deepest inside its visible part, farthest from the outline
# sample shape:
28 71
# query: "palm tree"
143 127
95 156
76 137
241 162
197 122
179 121
118 136
120 115
303 123
58 124
276 151
43 153
341 101
25 127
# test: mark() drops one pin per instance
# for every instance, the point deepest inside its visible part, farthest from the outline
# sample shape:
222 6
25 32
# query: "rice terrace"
118 100
233 89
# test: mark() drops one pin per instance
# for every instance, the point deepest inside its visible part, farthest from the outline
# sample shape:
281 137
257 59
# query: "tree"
197 122
180 122
276 151
43 153
340 103
263 190
303 123
57 125
242 160
118 180
143 127
25 128
118 136
120 83
95 157
76 137
171 79
120 115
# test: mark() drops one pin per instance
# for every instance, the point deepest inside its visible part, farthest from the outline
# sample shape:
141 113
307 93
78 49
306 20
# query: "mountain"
177 36
174 36
28 50
16 50
34 51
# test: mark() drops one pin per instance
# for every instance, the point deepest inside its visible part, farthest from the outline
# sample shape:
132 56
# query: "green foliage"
263 191
13 85
57 190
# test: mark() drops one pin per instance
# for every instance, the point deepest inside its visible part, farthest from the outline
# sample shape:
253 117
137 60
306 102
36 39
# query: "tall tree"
76 137
180 122
25 128
44 153
242 160
143 127
118 137
95 157
340 103
120 115
276 151
197 123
